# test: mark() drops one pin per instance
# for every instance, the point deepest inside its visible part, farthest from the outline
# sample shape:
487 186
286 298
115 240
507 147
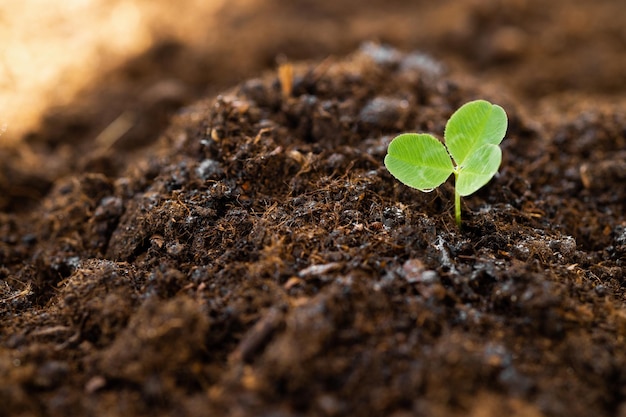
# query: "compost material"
259 259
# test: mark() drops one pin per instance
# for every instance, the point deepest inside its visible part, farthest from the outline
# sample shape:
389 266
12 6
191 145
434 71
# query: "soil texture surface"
249 254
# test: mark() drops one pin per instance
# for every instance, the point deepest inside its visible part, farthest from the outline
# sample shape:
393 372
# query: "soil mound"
263 261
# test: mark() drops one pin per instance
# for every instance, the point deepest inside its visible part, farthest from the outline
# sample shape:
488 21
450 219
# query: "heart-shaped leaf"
419 160
478 168
473 125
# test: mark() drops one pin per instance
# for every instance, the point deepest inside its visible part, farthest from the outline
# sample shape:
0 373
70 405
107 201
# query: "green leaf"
473 125
418 160
478 168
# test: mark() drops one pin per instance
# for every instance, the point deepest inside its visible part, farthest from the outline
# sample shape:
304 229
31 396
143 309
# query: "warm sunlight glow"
49 49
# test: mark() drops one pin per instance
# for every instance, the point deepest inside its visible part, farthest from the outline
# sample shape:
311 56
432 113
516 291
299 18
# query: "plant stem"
457 199
457 207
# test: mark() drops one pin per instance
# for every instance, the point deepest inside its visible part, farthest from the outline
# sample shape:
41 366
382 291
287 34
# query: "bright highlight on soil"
471 152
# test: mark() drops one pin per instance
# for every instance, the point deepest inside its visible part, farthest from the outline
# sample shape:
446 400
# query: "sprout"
471 152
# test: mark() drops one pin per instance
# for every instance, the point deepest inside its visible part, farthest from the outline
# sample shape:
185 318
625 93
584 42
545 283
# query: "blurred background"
82 80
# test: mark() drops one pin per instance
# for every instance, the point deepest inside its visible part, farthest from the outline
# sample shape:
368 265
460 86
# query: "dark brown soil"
259 260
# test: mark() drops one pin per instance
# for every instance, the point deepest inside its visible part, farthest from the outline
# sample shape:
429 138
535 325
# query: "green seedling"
471 152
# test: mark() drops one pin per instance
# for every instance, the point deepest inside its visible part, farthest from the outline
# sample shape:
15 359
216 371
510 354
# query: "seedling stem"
457 203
